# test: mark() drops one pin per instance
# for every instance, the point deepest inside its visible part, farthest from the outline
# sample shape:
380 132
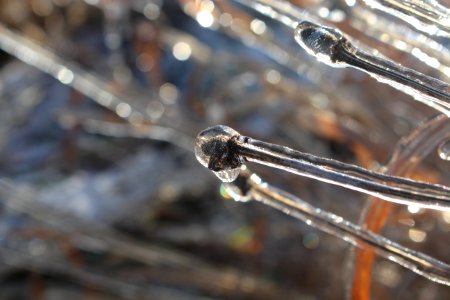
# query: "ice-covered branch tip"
222 150
326 44
330 46
214 150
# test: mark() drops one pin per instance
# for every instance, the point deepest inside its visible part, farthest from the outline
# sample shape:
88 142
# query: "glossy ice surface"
212 150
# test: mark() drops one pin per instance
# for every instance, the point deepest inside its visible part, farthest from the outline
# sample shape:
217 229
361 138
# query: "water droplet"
444 150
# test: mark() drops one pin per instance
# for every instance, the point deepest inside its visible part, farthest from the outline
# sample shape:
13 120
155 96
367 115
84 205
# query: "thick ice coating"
214 150
321 42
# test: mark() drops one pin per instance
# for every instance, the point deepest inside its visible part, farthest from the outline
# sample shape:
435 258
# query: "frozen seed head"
214 150
322 42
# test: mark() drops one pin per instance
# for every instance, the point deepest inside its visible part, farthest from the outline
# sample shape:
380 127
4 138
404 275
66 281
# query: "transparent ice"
330 46
221 148
417 262
429 16
212 151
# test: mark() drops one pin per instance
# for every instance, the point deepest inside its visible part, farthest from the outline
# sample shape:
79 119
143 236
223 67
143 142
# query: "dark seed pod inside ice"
214 150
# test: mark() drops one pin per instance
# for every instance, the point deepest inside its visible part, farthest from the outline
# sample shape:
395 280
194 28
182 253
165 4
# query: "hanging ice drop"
214 151
228 175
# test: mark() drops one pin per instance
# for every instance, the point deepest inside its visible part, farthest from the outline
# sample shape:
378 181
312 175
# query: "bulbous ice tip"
214 150
319 41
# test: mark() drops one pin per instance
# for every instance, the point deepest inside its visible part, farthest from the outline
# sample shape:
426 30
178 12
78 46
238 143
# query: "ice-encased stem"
431 91
417 262
222 149
331 47
88 84
390 188
427 16
428 90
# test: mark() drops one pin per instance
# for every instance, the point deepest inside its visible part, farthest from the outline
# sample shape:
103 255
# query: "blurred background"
102 197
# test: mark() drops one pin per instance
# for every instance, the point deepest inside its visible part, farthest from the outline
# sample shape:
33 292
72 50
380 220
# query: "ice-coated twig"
282 11
95 237
331 47
95 125
70 74
103 282
408 154
249 186
132 109
223 150
427 16
403 38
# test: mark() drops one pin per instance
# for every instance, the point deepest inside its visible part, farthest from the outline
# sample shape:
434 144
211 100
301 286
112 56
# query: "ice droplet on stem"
228 175
330 46
222 150
322 42
214 151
